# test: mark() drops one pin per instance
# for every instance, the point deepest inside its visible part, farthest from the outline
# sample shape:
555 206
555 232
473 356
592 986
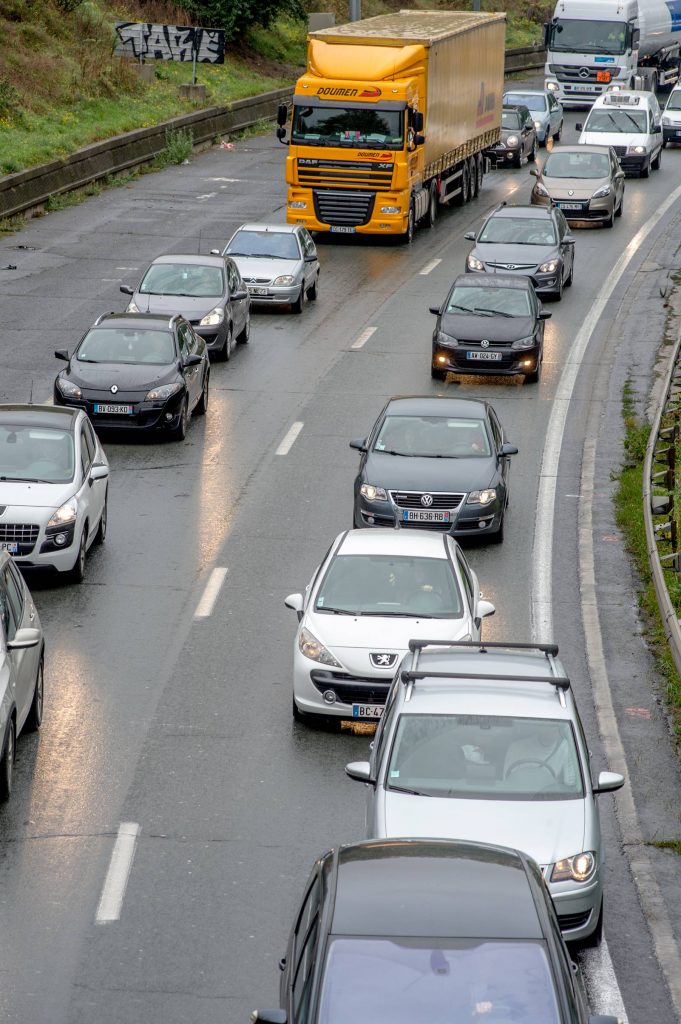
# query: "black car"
531 241
435 464
396 931
137 371
489 324
206 290
518 137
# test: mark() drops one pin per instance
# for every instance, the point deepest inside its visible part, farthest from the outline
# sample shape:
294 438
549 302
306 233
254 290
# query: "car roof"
433 888
275 228
526 92
440 405
193 259
137 321
513 209
39 416
413 543
644 98
589 147
495 280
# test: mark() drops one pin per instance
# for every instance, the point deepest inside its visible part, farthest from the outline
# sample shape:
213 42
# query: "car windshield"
392 585
407 980
674 101
576 165
519 231
510 119
587 36
366 126
275 244
45 454
433 436
506 301
485 757
126 345
618 120
535 104
183 279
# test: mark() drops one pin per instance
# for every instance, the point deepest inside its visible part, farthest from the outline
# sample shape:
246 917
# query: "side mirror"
608 782
294 602
534 172
417 121
545 314
282 114
569 239
99 471
360 771
435 310
657 129
579 127
547 34
194 360
508 449
419 139
215 252
24 638
62 353
360 445
241 294
470 236
485 609
269 1017
311 258
126 289
281 134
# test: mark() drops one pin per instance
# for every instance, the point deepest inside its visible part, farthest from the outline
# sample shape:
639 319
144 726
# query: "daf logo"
114 389
383 660
426 500
484 343
584 73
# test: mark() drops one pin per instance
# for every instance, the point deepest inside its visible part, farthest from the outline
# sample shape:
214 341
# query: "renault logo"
383 660
484 343
571 191
584 73
114 389
426 500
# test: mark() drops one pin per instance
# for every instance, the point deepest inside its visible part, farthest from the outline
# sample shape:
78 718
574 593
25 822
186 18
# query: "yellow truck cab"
392 118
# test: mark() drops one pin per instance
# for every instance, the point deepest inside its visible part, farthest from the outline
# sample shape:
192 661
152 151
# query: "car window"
467 581
85 456
561 164
184 339
308 912
310 247
5 612
233 279
562 224
274 244
126 345
496 429
486 299
304 972
384 728
37 453
434 436
631 121
510 119
15 603
90 438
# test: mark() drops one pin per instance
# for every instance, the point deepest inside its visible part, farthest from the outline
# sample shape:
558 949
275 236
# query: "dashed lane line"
116 881
289 438
211 592
431 265
362 339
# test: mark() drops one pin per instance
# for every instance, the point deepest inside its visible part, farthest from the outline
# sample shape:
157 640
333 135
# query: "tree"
235 16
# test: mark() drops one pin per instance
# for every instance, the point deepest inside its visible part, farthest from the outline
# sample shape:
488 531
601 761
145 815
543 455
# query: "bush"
236 16
178 147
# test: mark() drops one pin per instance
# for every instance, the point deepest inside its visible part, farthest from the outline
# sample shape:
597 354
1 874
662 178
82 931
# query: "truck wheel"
462 198
475 184
433 198
408 236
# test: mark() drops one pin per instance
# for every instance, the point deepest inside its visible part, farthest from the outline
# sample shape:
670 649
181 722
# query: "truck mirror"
547 33
419 139
282 114
281 133
418 121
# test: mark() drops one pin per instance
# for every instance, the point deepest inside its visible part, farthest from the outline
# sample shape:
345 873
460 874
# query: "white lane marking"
229 180
109 280
431 265
363 337
289 438
600 978
117 876
207 195
542 561
210 593
127 268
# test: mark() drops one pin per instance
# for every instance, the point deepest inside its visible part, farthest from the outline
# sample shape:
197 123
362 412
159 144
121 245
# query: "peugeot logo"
383 660
584 73
426 500
484 343
114 389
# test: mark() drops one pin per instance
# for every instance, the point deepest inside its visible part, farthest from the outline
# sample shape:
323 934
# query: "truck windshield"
588 36
354 127
633 121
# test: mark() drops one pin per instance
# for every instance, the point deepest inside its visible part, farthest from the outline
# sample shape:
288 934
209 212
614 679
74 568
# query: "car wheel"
620 209
202 403
226 350
244 335
645 171
498 537
313 291
437 373
532 157
596 937
571 276
7 763
297 306
78 572
557 135
657 162
179 432
610 222
35 715
100 536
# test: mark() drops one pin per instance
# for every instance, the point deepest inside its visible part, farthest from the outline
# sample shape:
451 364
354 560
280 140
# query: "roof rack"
482 645
561 682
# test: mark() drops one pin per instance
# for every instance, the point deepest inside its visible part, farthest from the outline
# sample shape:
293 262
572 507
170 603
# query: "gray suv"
483 742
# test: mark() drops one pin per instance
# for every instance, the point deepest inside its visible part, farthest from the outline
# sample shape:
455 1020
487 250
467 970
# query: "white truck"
595 45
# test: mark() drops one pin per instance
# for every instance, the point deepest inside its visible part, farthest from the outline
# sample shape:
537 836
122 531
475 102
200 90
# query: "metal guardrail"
661 452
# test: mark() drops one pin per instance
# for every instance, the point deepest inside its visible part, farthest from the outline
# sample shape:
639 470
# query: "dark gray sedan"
206 290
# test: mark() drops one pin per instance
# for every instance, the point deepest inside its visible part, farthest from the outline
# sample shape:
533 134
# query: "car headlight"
298 204
65 514
485 497
602 192
285 279
548 267
68 388
524 342
512 141
160 394
541 190
390 209
474 263
636 149
578 868
666 121
310 646
537 125
132 307
373 493
212 319
446 339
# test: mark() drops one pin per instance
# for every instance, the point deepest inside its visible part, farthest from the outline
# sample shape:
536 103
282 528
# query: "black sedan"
435 464
137 371
490 324
531 241
396 931
206 290
518 137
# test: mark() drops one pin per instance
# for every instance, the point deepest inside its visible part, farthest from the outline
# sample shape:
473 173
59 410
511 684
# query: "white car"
277 262
671 118
374 592
630 122
53 487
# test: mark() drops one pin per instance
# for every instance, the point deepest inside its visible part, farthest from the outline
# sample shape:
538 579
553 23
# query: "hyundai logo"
114 389
426 500
511 266
383 660
484 343
584 73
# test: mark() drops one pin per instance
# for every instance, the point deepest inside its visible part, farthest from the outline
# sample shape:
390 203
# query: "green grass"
667 844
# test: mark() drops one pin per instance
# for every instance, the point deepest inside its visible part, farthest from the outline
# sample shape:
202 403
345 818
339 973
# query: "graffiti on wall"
170 42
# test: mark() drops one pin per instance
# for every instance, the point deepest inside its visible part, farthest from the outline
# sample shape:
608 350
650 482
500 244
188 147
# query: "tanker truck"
391 119
596 45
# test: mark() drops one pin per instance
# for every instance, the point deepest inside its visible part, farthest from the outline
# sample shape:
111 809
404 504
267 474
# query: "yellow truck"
391 119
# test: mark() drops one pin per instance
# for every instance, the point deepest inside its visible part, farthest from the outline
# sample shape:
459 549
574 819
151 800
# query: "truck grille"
412 499
349 209
580 74
344 172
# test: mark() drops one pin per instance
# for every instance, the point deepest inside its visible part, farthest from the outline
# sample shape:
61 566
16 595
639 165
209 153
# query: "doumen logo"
331 90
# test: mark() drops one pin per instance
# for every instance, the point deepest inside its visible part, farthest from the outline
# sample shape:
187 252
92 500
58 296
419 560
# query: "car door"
18 613
566 251
503 461
238 306
302 955
97 488
89 499
617 175
191 374
470 589
311 263
554 114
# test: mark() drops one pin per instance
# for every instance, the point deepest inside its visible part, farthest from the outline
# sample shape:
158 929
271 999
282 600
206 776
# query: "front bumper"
543 283
513 361
466 521
672 134
634 163
273 295
214 337
578 907
595 210
311 680
371 221
36 547
145 416
503 154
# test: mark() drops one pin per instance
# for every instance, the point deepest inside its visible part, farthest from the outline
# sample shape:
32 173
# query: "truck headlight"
373 493
552 86
309 645
68 388
65 514
298 204
578 868
548 267
485 497
474 263
512 141
524 342
602 192
212 319
390 209
285 279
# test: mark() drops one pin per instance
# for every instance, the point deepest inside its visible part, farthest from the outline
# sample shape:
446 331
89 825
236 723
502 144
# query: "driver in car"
546 746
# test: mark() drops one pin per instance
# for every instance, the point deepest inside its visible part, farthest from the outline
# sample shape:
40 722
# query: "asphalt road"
184 726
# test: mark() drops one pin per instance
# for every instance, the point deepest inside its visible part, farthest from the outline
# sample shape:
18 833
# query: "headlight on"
639 150
485 497
65 514
512 141
310 646
298 204
552 86
68 388
524 342
163 392
548 267
579 868
132 307
285 279
474 263
390 209
212 319
372 493
537 125
541 190
446 339
601 193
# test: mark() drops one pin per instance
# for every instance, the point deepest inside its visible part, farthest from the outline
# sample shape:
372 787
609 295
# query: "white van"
671 118
629 122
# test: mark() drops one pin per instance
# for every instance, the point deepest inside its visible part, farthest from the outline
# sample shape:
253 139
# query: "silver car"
278 263
484 742
546 111
22 651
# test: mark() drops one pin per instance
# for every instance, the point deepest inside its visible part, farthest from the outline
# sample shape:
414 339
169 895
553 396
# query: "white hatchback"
374 592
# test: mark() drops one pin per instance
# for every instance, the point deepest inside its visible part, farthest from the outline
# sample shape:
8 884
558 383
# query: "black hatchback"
490 324
397 930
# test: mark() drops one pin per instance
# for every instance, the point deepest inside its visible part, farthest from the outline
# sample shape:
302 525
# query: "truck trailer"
596 45
391 119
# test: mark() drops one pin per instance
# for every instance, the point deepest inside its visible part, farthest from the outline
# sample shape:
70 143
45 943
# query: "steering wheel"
530 760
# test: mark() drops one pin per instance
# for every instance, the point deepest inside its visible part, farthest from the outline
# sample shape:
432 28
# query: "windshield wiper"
26 480
82 359
391 451
412 792
493 312
397 615
265 256
336 611
464 309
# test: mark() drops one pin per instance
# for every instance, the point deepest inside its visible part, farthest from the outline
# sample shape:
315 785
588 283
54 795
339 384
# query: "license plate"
489 357
367 710
343 229
258 291
425 516
569 206
116 410
11 547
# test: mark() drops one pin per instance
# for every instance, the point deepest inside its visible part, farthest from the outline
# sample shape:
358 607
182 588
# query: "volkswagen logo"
426 500
383 660
484 343
114 389
584 73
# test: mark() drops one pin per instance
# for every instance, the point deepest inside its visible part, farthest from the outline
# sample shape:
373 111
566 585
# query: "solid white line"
600 980
363 337
429 266
289 439
210 593
116 880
